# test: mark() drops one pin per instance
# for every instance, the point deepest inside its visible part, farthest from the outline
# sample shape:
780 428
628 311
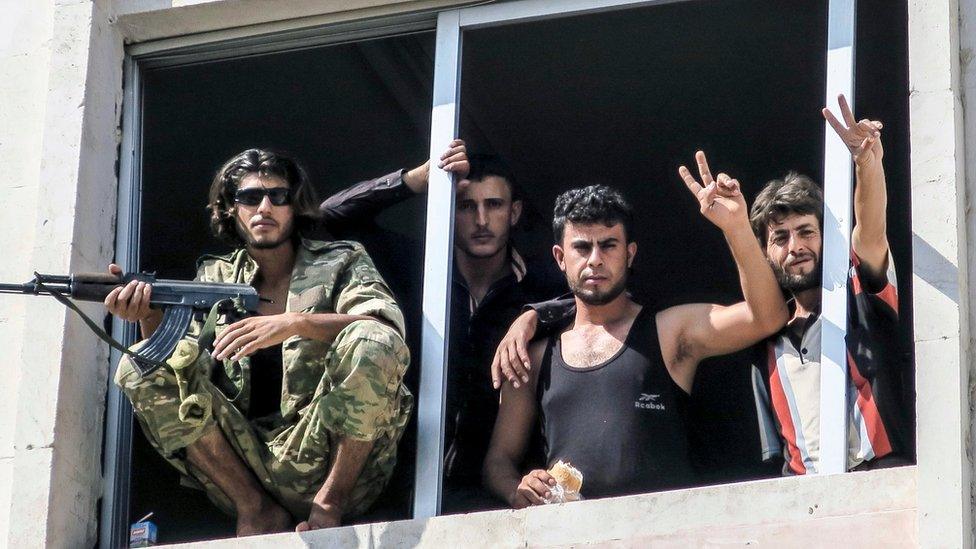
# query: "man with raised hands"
787 218
492 282
611 390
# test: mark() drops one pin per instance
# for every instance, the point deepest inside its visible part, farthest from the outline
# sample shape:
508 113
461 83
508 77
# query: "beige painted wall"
59 113
874 509
25 52
65 225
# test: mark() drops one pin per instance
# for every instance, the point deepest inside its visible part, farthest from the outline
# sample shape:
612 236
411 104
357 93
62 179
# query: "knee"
369 335
375 342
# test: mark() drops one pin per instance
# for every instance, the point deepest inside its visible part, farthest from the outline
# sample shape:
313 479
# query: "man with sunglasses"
297 412
491 283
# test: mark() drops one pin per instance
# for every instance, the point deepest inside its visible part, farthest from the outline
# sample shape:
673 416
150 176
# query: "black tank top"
621 423
267 373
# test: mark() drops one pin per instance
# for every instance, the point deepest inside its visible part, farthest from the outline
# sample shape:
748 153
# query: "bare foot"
321 516
268 518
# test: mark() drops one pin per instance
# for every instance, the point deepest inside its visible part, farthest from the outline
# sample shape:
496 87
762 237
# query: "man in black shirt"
610 390
491 283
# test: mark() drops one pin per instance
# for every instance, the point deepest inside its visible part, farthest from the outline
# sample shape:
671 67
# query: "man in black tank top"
611 390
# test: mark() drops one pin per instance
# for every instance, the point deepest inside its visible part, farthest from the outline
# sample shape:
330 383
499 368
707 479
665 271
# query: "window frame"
449 24
117 446
438 250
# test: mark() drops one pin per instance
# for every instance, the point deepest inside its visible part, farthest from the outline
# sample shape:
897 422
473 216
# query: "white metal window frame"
437 262
113 524
450 25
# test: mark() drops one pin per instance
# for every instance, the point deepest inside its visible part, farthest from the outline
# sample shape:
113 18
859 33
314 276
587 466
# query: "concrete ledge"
163 19
856 509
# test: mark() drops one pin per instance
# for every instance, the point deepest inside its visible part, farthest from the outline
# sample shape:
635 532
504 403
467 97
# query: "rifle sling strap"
94 327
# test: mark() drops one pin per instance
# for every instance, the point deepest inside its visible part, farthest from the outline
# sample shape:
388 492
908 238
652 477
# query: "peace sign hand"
862 138
720 199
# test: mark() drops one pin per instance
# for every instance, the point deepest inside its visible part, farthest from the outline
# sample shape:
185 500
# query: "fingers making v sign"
720 199
863 138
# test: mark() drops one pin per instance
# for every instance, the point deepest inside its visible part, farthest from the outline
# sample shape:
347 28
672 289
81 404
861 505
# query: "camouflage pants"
360 395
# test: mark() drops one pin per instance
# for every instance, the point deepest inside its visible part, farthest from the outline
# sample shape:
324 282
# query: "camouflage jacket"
329 277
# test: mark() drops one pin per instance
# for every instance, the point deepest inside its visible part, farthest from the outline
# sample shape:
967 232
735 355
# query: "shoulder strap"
95 328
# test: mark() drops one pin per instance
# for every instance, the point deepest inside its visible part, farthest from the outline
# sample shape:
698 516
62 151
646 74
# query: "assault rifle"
178 299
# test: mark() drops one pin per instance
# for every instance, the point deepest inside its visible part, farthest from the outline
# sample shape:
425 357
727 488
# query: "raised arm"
517 412
690 333
869 238
363 201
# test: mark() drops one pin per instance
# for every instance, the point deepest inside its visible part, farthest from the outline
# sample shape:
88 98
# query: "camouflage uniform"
351 387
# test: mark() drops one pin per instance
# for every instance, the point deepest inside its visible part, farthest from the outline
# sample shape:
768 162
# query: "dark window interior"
349 112
625 97
621 97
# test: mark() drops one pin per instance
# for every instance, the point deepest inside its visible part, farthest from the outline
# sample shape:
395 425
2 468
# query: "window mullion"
838 195
438 257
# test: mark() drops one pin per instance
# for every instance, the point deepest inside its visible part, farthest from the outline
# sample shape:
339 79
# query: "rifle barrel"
16 288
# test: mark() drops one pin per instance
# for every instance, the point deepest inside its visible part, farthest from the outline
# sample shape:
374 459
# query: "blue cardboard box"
142 534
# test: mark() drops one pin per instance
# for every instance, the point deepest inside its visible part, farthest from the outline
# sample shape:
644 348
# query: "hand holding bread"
569 482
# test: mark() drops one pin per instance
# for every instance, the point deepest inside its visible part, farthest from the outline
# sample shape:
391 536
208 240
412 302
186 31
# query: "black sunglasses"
279 196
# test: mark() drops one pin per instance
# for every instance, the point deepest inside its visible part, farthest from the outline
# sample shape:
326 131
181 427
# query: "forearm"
552 315
348 463
501 477
324 326
148 325
870 206
364 200
760 289
417 178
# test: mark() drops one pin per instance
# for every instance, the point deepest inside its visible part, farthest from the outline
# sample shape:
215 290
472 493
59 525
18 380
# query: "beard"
251 242
795 283
591 296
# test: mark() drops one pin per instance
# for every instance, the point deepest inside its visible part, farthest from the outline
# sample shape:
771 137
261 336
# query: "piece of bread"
567 476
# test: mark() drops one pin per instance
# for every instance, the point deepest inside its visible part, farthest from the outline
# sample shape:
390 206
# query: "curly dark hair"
266 163
793 194
593 204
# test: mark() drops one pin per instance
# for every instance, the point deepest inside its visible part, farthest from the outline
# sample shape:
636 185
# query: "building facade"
70 151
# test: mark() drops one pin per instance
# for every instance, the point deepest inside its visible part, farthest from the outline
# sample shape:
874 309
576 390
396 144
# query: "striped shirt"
786 383
518 267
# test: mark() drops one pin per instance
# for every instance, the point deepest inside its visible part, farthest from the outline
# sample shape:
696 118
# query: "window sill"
876 508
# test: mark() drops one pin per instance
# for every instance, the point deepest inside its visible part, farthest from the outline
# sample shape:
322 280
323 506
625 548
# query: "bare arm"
454 160
511 360
869 239
516 415
245 337
363 201
329 503
690 333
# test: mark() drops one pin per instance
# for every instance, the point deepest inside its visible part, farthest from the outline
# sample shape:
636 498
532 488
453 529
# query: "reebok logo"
648 401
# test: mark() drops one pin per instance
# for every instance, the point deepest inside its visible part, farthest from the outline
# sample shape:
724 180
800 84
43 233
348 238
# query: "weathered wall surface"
59 108
66 225
854 510
25 50
941 265
967 62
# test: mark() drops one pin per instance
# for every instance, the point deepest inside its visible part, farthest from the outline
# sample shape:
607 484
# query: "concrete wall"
59 107
874 509
65 224
967 69
25 51
941 275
